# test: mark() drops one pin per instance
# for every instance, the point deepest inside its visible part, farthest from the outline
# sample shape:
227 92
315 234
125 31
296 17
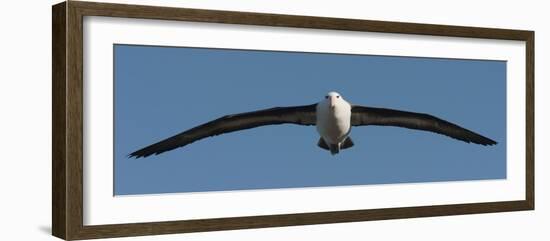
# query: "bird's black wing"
300 115
362 115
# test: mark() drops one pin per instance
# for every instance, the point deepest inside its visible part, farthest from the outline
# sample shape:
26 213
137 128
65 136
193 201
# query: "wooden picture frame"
67 150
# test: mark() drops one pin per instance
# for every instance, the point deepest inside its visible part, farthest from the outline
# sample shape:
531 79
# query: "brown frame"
67 123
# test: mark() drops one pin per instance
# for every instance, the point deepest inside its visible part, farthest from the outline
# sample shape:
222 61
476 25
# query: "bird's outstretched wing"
300 115
362 115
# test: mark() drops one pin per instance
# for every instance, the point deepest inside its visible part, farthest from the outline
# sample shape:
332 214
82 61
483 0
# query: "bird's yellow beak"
332 101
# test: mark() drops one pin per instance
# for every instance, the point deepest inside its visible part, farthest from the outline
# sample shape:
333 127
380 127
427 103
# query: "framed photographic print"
171 120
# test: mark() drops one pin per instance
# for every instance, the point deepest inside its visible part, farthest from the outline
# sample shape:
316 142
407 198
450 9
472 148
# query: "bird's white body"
333 119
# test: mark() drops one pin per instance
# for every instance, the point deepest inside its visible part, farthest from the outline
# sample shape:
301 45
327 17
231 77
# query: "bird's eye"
326 97
337 96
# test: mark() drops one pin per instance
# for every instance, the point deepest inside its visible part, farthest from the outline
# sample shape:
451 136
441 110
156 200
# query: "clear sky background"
162 91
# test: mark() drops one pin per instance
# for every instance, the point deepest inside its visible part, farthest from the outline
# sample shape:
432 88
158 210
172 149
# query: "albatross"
333 116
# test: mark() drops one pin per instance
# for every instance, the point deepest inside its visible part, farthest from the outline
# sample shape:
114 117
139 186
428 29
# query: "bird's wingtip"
489 142
134 155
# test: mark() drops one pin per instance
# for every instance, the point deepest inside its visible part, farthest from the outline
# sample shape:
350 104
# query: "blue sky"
162 91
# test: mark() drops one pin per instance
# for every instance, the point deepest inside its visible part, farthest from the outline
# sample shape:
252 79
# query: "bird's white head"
333 98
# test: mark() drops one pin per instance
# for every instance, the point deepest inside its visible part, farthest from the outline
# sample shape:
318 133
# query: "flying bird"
333 116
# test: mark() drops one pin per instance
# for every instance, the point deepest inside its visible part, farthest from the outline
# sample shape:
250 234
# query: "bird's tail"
334 148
